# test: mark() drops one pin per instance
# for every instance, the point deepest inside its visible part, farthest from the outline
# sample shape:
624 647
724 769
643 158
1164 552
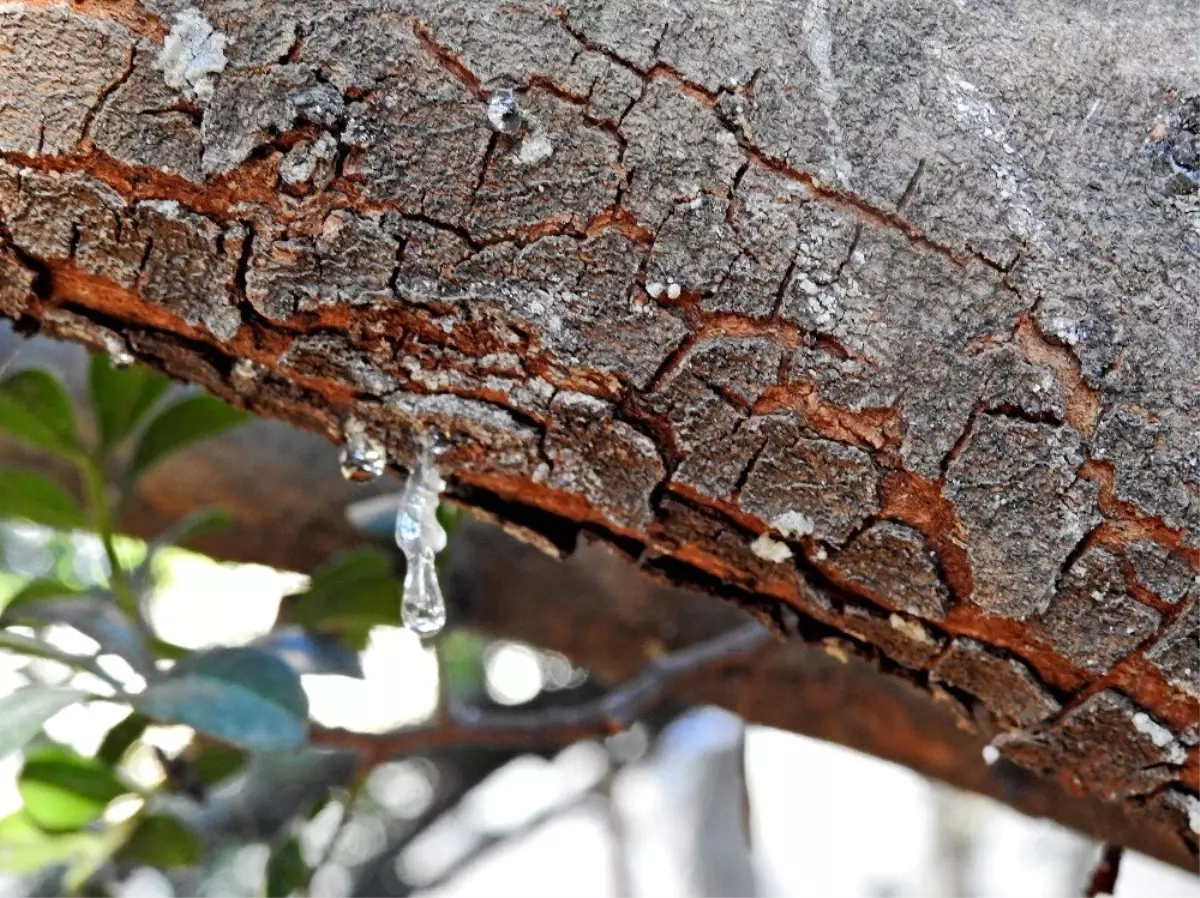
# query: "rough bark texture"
289 504
873 321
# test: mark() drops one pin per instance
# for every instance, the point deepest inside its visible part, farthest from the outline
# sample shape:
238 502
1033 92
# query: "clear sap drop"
502 112
424 610
408 530
362 457
420 536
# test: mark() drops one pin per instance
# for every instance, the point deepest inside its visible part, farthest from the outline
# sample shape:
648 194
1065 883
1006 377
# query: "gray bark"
878 319
289 506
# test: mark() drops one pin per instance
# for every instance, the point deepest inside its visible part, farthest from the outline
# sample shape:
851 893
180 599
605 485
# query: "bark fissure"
753 341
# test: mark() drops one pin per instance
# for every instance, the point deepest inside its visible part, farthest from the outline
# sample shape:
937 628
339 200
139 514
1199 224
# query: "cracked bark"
855 374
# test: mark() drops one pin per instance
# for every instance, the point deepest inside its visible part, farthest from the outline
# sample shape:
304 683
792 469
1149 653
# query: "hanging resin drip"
363 457
420 537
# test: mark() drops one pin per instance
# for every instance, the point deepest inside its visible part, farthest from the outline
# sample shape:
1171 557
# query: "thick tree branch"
289 501
697 306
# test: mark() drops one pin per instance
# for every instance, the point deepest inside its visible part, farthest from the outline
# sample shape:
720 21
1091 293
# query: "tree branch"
609 713
25 645
283 488
459 771
1104 876
489 841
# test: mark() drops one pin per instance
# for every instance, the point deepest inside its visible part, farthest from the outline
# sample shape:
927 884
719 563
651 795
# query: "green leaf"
350 595
10 585
24 848
25 711
286 869
65 791
450 517
163 842
37 498
216 762
244 696
168 650
182 424
312 653
96 855
461 655
199 523
35 591
121 737
35 408
121 397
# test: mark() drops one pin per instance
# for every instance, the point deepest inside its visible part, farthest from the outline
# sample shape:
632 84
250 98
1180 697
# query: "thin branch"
618 836
100 507
1104 876
348 802
11 357
25 645
455 778
443 668
610 713
487 842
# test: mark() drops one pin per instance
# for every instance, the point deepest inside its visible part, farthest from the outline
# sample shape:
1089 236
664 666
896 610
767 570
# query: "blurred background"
690 800
656 811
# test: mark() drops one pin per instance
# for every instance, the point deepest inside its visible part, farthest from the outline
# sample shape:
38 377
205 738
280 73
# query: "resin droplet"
420 536
424 610
363 457
502 112
119 356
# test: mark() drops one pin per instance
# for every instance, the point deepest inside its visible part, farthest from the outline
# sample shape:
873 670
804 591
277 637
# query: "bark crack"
85 129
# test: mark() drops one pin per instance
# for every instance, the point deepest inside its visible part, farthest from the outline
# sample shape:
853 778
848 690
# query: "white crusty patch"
793 524
1189 804
1193 812
1160 736
192 51
909 628
534 149
770 549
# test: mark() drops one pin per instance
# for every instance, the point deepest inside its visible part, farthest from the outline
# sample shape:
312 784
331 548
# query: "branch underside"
680 330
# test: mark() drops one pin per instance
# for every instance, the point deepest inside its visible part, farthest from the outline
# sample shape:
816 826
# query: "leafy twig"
610 713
